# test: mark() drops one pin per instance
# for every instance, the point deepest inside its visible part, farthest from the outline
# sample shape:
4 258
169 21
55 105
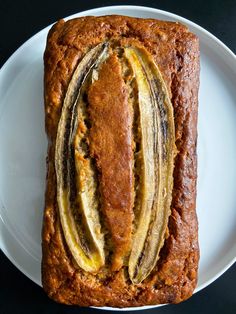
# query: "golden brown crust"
176 51
111 146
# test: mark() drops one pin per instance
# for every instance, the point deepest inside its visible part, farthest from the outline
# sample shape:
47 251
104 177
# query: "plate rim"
100 11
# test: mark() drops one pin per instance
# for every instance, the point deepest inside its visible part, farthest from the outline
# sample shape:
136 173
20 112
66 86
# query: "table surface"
22 19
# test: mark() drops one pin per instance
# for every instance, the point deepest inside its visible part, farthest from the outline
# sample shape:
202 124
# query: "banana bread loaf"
121 99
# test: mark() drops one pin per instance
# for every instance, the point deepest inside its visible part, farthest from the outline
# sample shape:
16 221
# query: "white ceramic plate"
23 150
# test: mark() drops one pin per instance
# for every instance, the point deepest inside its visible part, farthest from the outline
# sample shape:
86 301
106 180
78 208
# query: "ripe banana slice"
157 159
82 230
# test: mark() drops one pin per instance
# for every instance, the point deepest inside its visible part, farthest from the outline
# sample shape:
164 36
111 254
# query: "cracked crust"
114 154
176 51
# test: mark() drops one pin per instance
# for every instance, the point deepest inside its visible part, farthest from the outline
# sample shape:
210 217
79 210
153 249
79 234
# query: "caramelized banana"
77 184
74 189
157 159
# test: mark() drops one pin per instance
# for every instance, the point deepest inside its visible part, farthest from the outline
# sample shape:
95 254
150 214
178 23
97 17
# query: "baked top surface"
176 52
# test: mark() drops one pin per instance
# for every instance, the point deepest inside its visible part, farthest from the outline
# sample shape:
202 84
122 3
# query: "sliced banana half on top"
157 162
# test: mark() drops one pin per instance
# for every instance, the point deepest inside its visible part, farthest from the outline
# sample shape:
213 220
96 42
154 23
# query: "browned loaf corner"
176 52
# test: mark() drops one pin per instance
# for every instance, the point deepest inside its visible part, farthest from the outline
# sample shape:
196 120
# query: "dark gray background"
22 19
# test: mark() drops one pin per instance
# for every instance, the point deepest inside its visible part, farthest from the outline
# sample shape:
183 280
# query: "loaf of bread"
121 100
